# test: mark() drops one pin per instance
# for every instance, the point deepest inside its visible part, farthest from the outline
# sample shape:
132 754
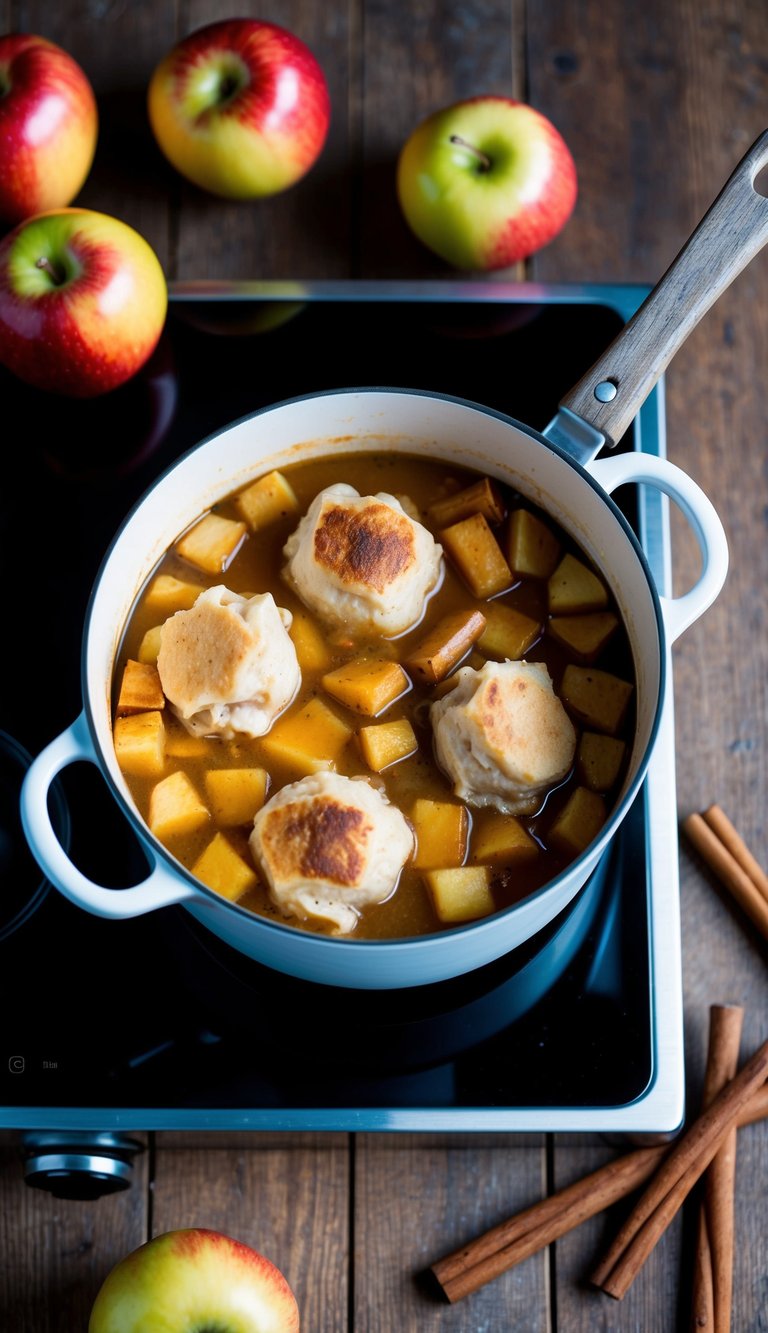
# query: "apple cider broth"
512 587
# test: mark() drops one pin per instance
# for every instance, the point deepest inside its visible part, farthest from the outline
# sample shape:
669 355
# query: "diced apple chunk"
442 829
140 744
483 497
311 646
175 808
508 633
387 743
585 635
167 594
597 699
212 543
445 645
224 870
460 894
308 739
180 744
533 547
266 500
573 588
501 839
235 795
367 686
150 645
599 759
477 556
140 689
579 822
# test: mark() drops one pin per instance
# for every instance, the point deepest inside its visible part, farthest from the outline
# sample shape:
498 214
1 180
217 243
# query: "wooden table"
657 101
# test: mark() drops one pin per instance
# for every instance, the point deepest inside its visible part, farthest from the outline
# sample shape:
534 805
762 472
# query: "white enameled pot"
371 421
557 472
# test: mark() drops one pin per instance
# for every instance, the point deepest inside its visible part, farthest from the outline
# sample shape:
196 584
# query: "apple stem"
57 275
483 158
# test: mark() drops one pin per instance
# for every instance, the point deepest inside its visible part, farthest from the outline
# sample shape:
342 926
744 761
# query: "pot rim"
410 943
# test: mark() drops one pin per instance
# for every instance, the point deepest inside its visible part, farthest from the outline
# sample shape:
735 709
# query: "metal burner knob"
75 1165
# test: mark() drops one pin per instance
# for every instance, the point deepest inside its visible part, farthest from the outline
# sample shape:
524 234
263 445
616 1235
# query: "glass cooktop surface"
154 1022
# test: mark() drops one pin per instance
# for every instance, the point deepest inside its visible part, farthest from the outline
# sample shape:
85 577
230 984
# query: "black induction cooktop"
154 1022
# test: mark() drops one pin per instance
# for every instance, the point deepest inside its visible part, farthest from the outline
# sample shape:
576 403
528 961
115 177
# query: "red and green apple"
195 1281
83 301
240 108
486 182
48 126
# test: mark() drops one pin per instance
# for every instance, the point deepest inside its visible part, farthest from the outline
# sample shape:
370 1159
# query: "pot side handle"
647 469
159 889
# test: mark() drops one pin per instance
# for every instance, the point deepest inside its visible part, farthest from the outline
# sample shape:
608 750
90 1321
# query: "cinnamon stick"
676 1176
721 825
466 1270
713 1271
728 870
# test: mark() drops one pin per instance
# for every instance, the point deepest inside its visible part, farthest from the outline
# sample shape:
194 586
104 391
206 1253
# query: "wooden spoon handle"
729 235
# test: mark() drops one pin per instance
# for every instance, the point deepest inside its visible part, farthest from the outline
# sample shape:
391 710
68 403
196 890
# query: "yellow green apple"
83 301
48 126
486 182
240 108
195 1281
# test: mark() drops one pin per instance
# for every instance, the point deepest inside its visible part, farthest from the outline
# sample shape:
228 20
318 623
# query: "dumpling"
328 846
503 736
228 665
362 561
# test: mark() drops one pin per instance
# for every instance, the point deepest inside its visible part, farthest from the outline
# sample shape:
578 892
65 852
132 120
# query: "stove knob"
79 1166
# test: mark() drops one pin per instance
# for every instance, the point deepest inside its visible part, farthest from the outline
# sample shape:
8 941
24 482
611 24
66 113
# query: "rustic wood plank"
56 1253
675 98
419 1197
288 1202
118 46
305 232
419 58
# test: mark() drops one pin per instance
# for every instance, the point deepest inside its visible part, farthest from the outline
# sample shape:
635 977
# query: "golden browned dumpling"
503 736
362 561
228 665
328 846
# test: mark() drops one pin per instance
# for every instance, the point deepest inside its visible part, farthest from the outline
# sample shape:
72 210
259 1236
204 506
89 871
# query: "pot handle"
647 469
159 889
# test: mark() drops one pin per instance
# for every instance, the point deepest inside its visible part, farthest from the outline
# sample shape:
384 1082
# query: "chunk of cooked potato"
573 587
307 739
482 497
477 555
460 894
445 645
579 822
387 743
310 643
599 759
179 744
224 870
584 635
167 594
140 744
508 633
150 645
367 686
596 698
175 808
212 543
500 840
267 500
442 830
533 548
140 689
235 795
